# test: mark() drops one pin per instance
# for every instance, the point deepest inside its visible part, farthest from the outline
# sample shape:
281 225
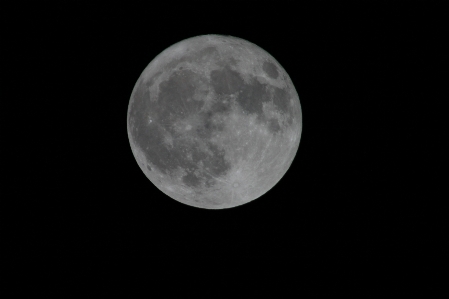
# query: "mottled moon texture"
214 121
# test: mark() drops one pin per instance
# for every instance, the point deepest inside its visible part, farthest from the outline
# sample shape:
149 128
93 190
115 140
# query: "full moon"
214 121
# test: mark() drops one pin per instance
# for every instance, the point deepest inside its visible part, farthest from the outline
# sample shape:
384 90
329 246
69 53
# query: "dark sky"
359 199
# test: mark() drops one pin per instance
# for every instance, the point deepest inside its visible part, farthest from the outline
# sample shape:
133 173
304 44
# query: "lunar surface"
214 121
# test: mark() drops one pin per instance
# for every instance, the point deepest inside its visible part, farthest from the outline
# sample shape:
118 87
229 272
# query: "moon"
214 121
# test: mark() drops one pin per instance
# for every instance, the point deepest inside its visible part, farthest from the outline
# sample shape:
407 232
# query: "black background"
358 211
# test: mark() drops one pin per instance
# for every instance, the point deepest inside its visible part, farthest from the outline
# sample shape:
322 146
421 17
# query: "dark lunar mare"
270 69
252 96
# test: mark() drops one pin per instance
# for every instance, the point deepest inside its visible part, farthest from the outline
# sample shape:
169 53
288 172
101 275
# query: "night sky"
359 208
